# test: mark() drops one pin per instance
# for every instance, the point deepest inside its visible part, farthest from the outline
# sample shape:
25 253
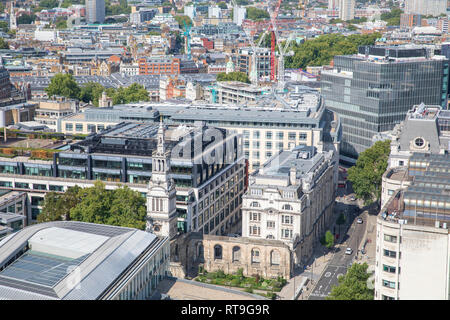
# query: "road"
340 261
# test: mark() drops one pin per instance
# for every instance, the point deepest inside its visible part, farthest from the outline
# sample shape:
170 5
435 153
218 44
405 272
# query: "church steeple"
12 18
161 195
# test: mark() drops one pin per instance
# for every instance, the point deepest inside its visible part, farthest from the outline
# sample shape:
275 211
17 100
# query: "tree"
91 92
26 19
366 175
119 207
57 206
61 23
233 76
329 239
133 93
3 44
182 20
321 50
4 26
63 85
222 5
393 17
257 14
48 4
352 286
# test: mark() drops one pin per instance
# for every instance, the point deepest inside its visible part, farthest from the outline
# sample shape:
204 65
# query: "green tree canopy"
61 23
352 286
48 4
222 5
91 92
329 239
257 14
321 50
367 174
26 19
182 19
63 85
3 44
119 207
233 76
133 93
4 26
113 10
393 17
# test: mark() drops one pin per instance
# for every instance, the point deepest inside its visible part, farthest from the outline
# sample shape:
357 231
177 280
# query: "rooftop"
48 254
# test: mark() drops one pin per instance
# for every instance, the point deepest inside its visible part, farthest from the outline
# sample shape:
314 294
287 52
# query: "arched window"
217 252
236 254
255 256
274 258
287 207
255 204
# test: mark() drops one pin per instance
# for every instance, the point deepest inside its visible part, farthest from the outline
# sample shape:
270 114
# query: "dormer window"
419 142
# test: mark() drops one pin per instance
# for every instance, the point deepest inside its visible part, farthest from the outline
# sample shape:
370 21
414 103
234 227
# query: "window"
268 154
255 216
401 163
387 297
255 256
389 284
302 136
236 254
268 134
256 144
291 136
419 142
286 233
390 238
390 192
79 127
255 230
255 204
255 154
388 253
270 224
268 145
280 135
246 134
274 258
287 219
287 207
217 252
389 269
256 134
69 127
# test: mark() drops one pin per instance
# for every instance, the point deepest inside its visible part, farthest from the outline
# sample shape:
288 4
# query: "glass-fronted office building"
373 90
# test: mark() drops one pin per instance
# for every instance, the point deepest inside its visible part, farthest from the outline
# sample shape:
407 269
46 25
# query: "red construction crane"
273 42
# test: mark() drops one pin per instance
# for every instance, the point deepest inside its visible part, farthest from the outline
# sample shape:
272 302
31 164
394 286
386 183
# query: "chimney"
292 176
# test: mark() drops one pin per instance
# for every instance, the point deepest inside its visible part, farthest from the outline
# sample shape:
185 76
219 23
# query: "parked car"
359 221
352 198
348 251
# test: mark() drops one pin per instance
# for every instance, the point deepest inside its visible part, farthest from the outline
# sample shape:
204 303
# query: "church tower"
161 195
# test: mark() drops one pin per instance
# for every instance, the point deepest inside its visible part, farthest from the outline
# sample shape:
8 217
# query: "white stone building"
291 199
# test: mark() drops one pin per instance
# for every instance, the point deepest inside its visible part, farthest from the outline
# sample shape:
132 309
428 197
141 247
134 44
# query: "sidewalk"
370 234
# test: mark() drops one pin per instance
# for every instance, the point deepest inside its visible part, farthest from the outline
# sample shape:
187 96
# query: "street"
339 263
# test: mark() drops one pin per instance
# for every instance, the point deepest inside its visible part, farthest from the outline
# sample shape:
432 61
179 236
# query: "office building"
239 14
426 129
268 124
69 260
410 20
373 90
346 10
413 234
426 7
159 66
291 199
209 190
51 111
243 61
13 211
95 11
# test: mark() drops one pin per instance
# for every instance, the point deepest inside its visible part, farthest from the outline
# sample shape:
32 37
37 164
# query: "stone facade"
267 258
